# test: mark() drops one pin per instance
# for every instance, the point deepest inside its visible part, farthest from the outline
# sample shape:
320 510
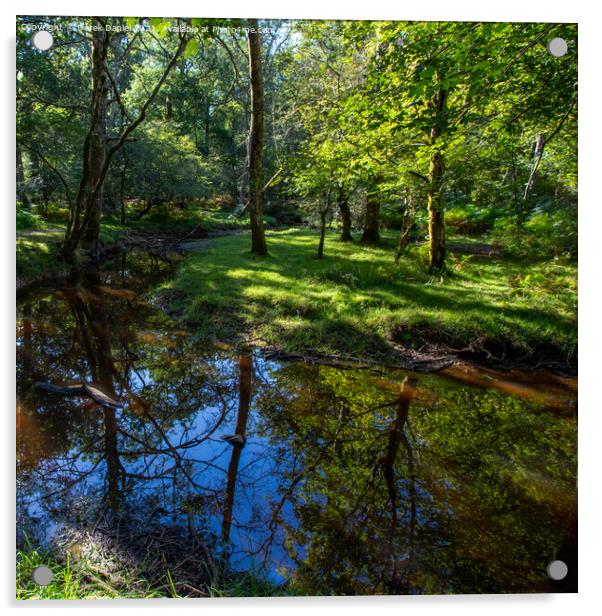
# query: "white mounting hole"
42 40
42 575
558 47
557 570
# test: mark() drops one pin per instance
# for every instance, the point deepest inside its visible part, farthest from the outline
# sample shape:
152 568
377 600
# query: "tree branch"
51 167
419 175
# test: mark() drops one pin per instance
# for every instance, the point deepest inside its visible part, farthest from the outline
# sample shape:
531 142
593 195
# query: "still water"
349 481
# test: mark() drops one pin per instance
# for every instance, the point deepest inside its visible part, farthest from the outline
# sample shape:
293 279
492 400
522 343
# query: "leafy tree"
84 224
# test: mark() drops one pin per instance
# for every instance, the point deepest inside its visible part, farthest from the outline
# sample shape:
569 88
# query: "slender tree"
324 211
258 243
436 203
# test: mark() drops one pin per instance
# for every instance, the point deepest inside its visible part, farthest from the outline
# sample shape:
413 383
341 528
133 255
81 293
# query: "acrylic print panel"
296 307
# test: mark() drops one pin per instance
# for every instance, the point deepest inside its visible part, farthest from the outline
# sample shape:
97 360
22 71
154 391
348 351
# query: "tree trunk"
404 232
345 212
322 234
436 205
21 194
98 140
436 215
85 217
371 233
258 244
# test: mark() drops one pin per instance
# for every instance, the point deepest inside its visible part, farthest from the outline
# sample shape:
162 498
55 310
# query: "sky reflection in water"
350 481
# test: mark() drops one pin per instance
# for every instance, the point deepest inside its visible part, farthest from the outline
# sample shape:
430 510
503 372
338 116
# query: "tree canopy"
366 124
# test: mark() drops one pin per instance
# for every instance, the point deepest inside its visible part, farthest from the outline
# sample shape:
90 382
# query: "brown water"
350 481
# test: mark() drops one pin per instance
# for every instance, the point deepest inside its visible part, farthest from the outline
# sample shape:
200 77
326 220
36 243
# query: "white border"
590 275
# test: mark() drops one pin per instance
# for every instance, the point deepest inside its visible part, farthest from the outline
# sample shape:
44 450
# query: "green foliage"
545 234
54 213
470 219
164 164
28 220
350 108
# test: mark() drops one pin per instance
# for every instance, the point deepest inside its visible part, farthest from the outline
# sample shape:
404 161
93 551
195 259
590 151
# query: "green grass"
38 241
356 300
36 255
74 579
37 250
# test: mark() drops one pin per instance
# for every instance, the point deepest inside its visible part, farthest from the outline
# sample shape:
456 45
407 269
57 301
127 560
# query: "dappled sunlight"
366 287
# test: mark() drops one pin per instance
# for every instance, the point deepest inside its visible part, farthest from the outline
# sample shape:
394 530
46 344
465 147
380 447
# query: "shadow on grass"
355 298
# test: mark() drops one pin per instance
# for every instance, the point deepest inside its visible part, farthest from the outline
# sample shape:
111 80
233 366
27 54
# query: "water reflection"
348 481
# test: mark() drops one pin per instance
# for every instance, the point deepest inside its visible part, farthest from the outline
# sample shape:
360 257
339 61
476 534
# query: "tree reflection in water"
350 481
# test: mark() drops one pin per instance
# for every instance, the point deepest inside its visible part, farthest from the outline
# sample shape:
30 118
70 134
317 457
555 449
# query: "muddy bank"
486 352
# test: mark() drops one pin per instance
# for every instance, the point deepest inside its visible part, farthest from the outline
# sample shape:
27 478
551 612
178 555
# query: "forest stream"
345 480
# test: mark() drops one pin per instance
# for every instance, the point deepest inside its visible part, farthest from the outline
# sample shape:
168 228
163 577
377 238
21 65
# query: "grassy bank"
358 303
36 255
74 579
37 251
38 245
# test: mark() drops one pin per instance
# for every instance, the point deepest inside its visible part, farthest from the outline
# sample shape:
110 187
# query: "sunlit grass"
71 580
37 257
74 579
357 300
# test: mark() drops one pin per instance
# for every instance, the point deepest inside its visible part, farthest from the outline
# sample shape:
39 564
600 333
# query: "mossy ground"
355 301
